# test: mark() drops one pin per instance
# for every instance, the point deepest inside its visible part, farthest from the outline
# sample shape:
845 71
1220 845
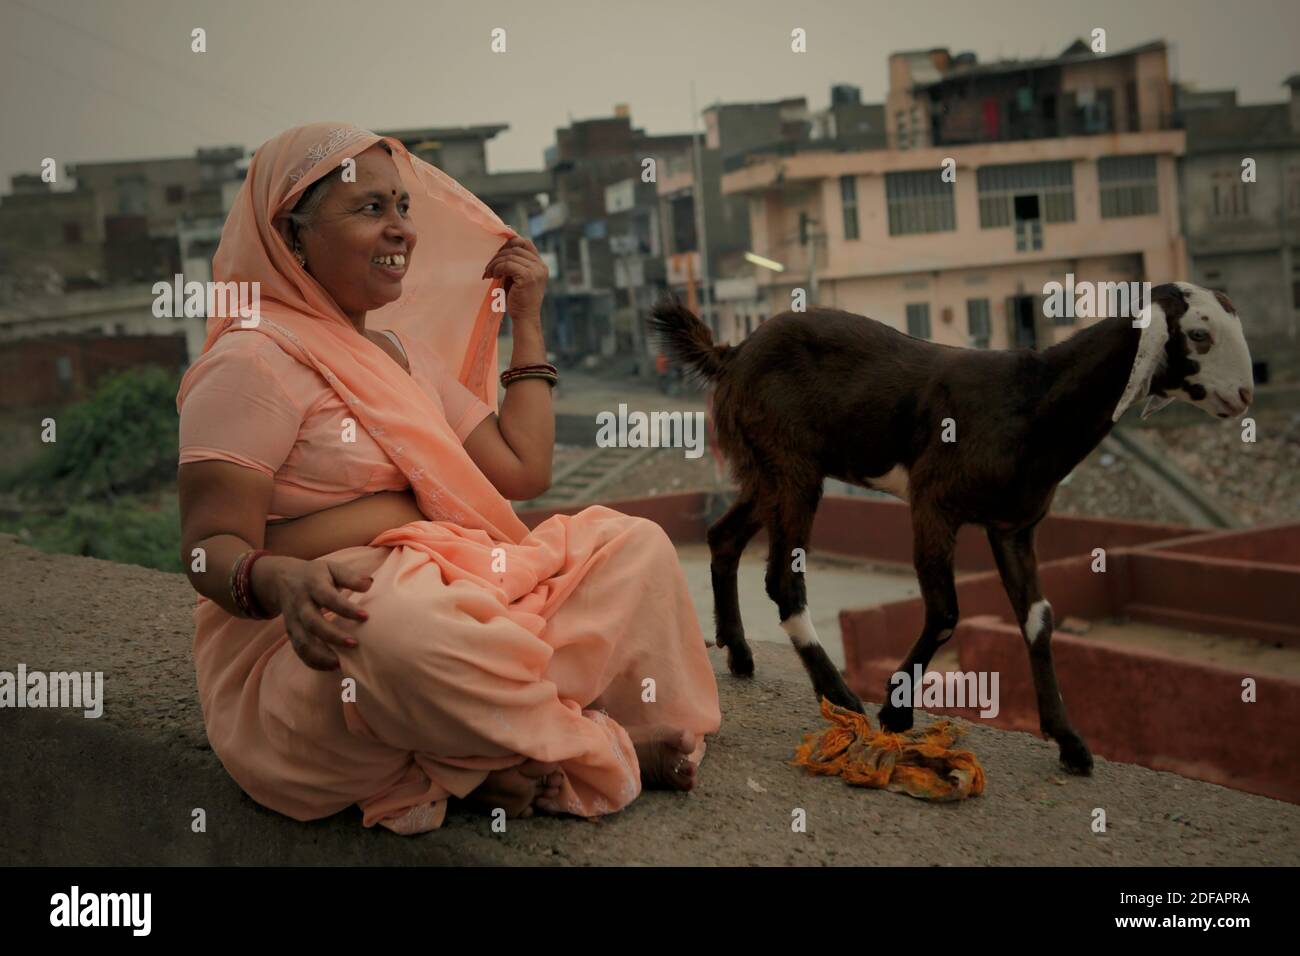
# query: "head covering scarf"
444 304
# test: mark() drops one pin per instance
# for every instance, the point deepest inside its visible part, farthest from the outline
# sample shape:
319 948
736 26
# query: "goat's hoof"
740 659
895 720
1075 757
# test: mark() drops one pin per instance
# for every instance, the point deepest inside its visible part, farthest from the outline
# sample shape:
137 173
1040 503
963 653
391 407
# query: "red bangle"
544 370
241 585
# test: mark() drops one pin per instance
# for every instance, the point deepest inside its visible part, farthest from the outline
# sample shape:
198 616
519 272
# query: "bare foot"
515 789
662 752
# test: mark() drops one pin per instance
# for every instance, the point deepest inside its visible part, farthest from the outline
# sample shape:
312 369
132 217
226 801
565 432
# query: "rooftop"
1077 52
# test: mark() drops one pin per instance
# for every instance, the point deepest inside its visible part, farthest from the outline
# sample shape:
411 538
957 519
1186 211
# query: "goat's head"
1192 349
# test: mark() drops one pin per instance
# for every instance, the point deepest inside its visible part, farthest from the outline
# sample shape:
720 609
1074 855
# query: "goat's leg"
933 541
790 527
1018 565
727 539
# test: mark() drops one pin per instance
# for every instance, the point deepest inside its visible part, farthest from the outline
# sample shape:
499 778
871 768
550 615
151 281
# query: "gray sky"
115 79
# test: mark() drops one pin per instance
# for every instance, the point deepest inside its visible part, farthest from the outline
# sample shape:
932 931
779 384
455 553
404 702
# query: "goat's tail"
680 333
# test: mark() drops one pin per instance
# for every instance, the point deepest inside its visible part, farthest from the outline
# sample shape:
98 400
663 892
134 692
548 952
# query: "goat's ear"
1150 355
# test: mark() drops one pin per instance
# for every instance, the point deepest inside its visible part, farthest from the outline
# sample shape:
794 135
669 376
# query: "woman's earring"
297 254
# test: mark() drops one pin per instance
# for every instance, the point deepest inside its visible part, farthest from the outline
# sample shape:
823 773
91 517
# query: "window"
63 369
919 201
1029 223
1000 186
1128 186
71 233
918 320
1229 196
978 322
683 220
849 201
175 195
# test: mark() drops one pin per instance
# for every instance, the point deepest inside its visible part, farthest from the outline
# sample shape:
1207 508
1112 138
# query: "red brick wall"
29 370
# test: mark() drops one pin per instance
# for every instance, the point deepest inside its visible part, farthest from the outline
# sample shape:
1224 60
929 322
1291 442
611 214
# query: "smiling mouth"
393 266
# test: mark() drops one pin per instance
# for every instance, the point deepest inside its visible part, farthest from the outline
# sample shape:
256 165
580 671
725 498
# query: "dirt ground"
122 789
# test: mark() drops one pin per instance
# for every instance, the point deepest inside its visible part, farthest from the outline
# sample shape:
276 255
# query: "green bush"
96 489
122 439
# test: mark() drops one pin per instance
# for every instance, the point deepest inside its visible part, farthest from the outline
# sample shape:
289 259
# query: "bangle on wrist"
241 586
542 370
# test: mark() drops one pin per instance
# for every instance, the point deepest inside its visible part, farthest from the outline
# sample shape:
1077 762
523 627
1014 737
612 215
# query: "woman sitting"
375 624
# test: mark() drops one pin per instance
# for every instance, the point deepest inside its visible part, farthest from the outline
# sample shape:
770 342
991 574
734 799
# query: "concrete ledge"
121 789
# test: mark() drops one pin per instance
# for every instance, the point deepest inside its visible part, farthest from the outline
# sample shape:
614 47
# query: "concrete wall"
1131 703
1152 709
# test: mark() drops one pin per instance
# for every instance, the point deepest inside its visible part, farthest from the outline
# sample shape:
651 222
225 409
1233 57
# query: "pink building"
962 257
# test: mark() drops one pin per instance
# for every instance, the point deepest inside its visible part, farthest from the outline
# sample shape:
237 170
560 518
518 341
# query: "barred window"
919 201
999 185
918 320
849 200
1128 186
1230 195
978 322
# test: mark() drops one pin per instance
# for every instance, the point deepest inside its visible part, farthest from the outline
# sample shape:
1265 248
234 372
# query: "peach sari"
486 642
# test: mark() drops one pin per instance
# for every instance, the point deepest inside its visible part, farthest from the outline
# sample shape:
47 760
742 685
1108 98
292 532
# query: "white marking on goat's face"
893 482
1192 350
800 628
1037 621
1224 383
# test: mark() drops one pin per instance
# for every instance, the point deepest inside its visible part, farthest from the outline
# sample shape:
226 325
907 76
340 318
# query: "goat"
829 393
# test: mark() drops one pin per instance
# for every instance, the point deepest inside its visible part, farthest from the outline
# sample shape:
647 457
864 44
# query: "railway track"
585 478
1169 481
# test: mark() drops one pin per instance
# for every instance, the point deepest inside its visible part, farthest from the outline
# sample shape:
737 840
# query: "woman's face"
357 224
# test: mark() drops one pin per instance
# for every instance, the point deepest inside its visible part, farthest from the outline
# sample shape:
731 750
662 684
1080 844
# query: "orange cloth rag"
918 762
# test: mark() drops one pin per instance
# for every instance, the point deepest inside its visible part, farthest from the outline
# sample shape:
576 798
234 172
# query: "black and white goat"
830 393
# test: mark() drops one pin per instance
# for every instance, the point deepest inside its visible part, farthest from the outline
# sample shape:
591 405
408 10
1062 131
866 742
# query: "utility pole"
808 239
701 232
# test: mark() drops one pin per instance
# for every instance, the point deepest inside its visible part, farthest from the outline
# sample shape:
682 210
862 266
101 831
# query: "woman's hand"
525 274
299 590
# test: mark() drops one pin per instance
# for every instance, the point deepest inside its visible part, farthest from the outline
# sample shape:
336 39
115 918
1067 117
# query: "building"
461 152
49 239
1243 230
963 259
938 99
573 232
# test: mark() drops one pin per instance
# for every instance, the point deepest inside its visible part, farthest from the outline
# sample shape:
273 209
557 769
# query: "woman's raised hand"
520 264
300 590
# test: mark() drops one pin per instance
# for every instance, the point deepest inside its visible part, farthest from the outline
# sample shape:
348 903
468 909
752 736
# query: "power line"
85 83
241 100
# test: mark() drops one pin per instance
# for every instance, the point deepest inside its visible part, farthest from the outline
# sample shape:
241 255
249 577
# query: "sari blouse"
253 405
